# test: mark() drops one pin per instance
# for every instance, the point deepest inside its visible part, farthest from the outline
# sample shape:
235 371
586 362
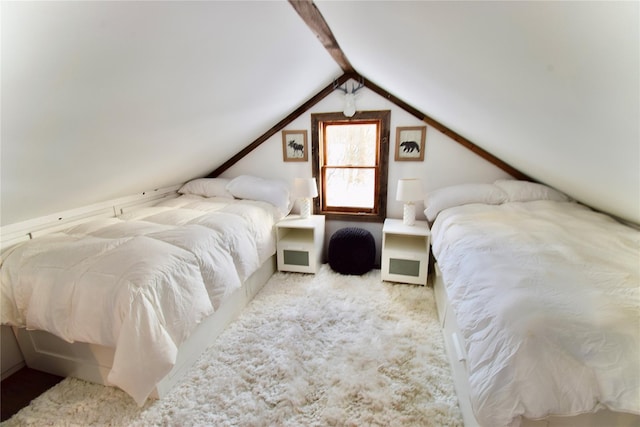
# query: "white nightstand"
300 243
405 251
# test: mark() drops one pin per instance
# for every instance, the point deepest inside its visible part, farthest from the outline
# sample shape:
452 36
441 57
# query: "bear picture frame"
410 142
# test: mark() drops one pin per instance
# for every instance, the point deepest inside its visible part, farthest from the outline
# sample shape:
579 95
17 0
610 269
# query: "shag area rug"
309 350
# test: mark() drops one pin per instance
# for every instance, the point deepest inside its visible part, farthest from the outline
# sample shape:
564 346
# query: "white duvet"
547 296
139 283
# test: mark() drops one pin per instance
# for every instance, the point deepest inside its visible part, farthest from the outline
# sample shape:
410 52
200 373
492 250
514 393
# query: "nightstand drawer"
292 257
296 261
406 267
300 243
405 252
403 270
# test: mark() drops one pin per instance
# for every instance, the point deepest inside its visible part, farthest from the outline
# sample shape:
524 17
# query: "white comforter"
139 283
547 296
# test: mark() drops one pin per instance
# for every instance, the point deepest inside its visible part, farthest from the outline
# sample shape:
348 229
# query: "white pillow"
525 191
207 187
462 194
272 191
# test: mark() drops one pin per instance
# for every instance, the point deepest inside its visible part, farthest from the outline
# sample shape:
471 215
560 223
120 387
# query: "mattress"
139 283
547 297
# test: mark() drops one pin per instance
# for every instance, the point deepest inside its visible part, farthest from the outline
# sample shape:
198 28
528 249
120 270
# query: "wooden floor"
21 388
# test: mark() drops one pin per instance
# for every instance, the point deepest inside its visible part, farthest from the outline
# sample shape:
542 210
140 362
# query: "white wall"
106 99
446 162
550 87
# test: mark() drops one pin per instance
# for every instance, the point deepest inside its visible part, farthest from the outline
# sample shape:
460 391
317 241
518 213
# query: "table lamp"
409 190
305 189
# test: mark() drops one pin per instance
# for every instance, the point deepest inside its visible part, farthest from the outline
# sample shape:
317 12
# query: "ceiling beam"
386 95
310 14
445 130
317 24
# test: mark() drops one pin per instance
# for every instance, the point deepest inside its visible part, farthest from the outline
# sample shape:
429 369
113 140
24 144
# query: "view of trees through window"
350 163
351 152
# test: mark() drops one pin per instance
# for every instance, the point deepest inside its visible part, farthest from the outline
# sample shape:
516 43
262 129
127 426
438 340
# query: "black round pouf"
352 250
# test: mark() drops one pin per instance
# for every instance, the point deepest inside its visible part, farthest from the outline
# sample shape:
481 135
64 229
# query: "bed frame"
46 352
457 358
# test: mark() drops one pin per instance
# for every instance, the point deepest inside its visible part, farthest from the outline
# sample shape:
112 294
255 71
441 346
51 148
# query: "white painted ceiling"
552 88
103 99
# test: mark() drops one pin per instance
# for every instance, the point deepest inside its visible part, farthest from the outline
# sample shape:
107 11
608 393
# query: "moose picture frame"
294 146
410 143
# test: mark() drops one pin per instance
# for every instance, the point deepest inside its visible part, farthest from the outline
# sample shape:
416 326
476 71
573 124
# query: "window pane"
351 161
352 144
351 188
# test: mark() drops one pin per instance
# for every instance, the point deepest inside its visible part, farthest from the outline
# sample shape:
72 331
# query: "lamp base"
409 214
305 208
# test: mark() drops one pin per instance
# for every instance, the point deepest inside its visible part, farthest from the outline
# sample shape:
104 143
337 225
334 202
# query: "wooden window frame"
379 212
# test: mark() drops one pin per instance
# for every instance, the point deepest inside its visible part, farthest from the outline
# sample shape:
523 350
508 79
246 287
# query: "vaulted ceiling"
102 99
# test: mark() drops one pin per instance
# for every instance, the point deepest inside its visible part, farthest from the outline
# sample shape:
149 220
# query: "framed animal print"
294 146
410 143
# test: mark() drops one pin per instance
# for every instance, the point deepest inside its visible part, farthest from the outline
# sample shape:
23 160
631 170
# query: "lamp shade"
409 190
305 187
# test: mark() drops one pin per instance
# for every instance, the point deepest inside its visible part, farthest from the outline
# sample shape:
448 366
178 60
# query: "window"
350 161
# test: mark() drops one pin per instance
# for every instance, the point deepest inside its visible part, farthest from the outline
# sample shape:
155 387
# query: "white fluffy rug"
310 350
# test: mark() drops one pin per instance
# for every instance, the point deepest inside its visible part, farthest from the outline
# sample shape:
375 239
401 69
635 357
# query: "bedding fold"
547 298
140 283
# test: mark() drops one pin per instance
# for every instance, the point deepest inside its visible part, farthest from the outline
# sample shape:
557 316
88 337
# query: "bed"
539 301
132 300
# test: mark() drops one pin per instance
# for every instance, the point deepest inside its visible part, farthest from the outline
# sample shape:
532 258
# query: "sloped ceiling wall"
552 88
104 99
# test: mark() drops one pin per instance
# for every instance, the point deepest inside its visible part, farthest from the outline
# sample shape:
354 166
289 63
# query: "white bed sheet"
547 296
139 283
